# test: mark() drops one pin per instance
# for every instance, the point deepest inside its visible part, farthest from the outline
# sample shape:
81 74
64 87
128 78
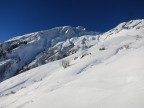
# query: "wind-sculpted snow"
109 73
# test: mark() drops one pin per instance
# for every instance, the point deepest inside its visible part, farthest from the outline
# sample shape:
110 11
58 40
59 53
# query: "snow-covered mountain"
96 71
31 50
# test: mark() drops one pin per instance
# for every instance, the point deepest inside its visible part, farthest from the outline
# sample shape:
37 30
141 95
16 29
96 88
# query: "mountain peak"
107 73
31 50
22 50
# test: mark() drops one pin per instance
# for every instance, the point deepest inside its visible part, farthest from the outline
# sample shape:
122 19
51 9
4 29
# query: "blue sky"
18 17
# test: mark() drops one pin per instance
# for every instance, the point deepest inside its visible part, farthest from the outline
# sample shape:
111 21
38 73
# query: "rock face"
31 50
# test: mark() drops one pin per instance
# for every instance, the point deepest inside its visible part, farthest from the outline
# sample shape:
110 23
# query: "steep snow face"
109 74
18 52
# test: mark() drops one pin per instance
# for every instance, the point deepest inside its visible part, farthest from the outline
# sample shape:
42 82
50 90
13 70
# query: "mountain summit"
31 50
69 67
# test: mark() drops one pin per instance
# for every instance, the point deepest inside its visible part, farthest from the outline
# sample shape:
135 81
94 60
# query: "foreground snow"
107 75
111 84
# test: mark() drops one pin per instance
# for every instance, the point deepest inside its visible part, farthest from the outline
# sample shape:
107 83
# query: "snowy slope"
31 50
125 28
109 74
